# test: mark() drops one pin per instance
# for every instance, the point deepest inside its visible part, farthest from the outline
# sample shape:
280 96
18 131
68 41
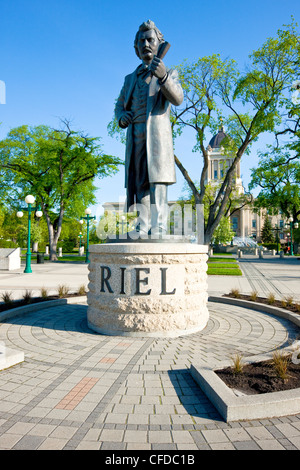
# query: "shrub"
235 293
280 364
254 295
62 291
7 297
82 290
67 246
44 293
27 296
289 300
238 364
271 298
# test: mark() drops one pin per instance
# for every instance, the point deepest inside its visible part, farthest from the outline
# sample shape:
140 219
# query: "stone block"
147 289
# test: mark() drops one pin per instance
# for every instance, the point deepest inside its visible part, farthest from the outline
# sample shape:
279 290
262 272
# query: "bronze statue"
143 107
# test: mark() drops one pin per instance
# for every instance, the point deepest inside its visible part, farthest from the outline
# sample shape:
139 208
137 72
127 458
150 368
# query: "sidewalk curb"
279 312
39 306
247 407
11 357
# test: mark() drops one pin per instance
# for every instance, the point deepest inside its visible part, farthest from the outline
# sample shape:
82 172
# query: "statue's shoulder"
131 76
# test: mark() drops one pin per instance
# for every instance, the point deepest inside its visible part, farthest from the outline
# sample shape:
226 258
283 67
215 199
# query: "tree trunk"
208 233
52 242
54 234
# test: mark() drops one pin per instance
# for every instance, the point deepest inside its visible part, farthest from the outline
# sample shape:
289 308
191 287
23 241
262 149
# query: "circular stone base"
142 334
151 289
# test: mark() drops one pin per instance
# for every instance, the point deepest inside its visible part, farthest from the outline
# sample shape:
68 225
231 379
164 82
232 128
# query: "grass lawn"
221 266
71 258
66 258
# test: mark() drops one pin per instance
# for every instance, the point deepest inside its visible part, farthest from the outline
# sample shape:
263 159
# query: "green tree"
278 173
223 234
114 224
58 167
267 235
278 178
250 104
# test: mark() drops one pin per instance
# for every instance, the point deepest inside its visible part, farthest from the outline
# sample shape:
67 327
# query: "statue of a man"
143 107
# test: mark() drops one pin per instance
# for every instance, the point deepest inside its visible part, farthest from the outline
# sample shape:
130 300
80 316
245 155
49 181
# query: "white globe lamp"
30 199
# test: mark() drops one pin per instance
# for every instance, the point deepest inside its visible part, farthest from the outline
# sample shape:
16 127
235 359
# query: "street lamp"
277 229
123 223
87 218
80 238
292 225
29 201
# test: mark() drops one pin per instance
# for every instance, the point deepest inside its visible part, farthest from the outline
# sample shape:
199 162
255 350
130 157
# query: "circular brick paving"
78 389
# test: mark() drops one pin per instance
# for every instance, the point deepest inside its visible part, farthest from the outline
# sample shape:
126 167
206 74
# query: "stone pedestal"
147 289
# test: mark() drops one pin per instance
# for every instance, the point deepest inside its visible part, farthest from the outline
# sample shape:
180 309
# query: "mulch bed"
33 300
262 300
260 377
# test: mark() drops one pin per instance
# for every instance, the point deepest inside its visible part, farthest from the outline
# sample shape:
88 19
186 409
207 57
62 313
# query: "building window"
234 222
215 169
253 223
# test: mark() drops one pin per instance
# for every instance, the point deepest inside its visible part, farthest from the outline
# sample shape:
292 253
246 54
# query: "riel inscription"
145 280
140 280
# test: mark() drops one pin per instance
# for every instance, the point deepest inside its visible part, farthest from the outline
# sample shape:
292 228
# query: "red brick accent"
71 400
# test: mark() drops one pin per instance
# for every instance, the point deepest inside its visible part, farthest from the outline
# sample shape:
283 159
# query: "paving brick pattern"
80 390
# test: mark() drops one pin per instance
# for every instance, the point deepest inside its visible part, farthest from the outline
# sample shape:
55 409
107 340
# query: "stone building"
245 222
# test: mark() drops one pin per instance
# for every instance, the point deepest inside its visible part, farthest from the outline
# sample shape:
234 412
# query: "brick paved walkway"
80 390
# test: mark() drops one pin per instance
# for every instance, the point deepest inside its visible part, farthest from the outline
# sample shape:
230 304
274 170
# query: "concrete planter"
247 407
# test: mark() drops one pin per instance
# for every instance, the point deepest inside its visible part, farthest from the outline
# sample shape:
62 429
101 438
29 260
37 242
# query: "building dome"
215 142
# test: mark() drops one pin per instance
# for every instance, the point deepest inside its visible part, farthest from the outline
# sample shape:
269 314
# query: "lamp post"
292 225
277 229
88 218
29 201
123 223
80 237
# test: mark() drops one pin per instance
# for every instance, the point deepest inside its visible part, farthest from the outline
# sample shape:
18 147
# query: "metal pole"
87 240
28 254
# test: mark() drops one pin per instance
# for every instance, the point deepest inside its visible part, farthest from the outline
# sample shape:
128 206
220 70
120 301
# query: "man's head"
147 41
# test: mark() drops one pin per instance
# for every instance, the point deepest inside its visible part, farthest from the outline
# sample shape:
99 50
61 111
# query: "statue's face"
147 45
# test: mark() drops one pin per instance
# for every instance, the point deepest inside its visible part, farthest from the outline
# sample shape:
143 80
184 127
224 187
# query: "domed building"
244 222
219 163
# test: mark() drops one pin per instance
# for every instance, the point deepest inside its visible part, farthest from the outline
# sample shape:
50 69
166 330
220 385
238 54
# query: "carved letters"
141 281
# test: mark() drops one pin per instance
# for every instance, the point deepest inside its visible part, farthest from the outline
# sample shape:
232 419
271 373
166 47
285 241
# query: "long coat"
159 141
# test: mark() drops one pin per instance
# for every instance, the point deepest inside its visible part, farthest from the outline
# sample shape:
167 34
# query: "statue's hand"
126 119
158 68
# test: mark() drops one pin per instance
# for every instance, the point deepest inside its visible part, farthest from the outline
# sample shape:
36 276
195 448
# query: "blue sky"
68 59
